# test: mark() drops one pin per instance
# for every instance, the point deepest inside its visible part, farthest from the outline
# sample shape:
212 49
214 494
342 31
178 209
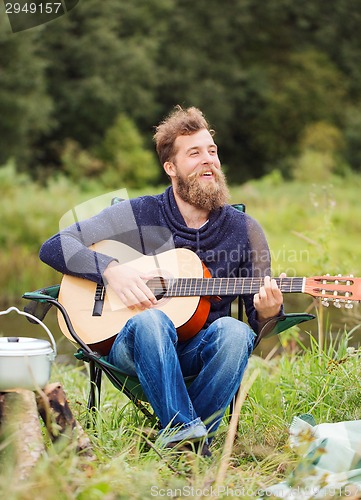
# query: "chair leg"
94 392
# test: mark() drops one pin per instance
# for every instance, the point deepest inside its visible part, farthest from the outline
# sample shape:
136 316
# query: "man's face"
196 171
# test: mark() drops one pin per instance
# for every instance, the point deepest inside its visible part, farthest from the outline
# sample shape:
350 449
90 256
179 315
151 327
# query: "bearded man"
192 213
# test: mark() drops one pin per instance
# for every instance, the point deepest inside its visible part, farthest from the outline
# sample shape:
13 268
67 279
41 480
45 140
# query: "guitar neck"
186 287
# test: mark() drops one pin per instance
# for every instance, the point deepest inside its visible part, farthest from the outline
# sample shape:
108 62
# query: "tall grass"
128 465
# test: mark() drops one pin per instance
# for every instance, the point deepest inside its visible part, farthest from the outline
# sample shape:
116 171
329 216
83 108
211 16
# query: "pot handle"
23 313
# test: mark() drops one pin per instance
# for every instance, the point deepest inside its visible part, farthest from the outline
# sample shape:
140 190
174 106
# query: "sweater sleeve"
257 264
68 252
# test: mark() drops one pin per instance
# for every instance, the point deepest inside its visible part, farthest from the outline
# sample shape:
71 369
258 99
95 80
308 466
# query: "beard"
208 196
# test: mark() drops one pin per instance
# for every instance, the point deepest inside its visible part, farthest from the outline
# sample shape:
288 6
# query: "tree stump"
21 437
54 409
21 433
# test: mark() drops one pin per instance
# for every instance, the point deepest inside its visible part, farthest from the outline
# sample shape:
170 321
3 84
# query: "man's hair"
179 122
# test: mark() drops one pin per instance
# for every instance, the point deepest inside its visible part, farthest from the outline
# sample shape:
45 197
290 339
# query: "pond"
335 320
14 325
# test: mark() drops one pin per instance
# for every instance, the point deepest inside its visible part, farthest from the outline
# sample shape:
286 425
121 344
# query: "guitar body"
77 296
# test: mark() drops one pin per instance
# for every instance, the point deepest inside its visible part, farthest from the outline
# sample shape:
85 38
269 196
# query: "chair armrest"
43 294
286 321
282 323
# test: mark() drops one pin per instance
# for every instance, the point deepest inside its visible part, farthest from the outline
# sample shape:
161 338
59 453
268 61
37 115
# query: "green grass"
127 464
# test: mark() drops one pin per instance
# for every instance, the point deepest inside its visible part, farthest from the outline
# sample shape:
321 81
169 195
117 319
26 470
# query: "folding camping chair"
40 302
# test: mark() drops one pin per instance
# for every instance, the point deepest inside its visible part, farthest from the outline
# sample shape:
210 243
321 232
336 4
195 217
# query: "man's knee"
234 334
153 324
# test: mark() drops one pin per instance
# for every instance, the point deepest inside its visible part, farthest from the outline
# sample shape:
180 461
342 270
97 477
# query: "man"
192 213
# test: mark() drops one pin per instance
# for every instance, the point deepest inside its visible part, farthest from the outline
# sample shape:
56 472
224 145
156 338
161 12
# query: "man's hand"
269 299
130 285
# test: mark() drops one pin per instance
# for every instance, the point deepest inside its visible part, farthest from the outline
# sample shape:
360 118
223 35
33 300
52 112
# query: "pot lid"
23 346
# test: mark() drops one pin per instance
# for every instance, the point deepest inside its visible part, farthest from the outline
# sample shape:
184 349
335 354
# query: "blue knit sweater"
230 244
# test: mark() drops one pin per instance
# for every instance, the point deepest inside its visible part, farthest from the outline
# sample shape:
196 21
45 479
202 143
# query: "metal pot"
25 362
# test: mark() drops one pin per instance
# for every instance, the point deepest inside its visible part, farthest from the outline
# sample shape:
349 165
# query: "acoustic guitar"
183 287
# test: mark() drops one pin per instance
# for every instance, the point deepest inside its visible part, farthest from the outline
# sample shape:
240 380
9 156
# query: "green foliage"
312 228
304 88
320 147
25 105
127 163
262 73
78 163
352 135
121 159
101 63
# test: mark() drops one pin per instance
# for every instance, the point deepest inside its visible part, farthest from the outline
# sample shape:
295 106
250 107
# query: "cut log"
22 440
54 409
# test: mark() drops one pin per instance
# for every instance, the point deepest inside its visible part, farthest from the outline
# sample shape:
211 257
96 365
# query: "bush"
120 160
321 145
79 163
126 160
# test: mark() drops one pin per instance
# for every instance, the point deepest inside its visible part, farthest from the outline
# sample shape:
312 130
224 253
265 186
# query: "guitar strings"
218 286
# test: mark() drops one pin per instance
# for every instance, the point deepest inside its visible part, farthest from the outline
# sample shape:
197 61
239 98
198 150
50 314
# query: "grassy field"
128 464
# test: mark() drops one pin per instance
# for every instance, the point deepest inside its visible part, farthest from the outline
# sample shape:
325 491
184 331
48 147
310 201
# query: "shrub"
127 162
320 147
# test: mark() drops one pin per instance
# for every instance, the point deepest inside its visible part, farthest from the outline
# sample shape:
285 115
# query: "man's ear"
169 168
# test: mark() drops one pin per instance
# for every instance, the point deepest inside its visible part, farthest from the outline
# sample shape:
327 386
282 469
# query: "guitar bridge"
98 300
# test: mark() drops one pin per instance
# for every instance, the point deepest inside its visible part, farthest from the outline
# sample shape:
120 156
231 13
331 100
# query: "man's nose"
207 158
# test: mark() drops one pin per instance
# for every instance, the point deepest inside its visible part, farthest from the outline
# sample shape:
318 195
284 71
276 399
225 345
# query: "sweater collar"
208 233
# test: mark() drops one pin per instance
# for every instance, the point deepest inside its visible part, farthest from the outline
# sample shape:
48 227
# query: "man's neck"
194 217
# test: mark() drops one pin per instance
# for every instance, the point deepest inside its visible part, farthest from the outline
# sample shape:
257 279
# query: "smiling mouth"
206 174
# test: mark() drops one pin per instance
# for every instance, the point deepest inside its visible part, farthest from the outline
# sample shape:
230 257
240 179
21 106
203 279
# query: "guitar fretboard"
188 287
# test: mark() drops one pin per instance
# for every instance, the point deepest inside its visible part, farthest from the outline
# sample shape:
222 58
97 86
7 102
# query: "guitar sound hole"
158 286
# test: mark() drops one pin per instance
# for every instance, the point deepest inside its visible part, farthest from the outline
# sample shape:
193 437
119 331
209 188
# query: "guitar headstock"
341 290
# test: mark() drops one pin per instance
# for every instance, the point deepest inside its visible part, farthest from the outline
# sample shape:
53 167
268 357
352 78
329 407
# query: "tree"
100 65
25 105
262 72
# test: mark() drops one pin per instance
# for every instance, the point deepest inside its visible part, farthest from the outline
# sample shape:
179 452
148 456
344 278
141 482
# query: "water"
335 320
14 325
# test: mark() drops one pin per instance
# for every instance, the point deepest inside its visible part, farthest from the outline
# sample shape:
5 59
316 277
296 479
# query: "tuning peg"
337 304
349 305
325 302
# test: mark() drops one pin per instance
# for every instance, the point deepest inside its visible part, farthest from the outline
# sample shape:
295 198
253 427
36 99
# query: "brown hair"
179 122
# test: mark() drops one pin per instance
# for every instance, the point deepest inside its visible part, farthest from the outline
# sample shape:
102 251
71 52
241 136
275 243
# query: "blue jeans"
147 347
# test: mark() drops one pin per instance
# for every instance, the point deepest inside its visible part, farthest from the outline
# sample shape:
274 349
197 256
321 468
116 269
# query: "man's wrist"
262 319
